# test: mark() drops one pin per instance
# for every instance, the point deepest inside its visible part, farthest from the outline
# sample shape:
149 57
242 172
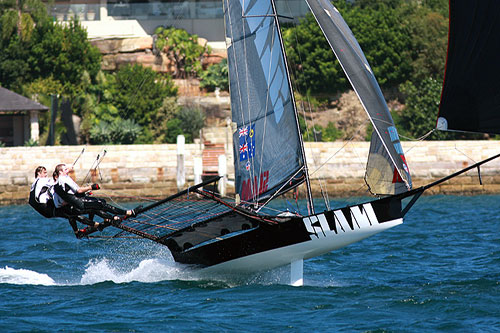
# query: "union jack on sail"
246 142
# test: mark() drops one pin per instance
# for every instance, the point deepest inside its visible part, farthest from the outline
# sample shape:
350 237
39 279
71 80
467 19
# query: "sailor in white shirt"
41 193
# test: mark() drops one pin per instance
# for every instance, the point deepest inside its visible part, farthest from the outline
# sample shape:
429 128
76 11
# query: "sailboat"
202 229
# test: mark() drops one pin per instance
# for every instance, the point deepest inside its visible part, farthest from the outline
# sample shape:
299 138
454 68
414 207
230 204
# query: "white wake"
24 276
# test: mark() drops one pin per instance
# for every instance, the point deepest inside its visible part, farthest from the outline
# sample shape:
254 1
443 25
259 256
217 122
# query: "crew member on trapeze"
40 194
68 194
71 201
41 199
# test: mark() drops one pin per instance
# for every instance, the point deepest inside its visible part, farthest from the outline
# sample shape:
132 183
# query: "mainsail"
470 100
386 171
268 153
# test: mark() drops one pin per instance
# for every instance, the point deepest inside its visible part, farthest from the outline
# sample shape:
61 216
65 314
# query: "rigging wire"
95 165
81 153
334 154
422 138
308 109
461 152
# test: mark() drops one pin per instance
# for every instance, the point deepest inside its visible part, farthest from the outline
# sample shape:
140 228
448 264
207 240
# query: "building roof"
12 102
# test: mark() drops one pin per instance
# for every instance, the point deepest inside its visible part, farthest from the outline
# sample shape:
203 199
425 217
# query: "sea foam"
24 276
148 270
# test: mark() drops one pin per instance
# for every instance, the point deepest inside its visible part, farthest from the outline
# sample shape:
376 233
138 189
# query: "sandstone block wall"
117 52
342 165
139 171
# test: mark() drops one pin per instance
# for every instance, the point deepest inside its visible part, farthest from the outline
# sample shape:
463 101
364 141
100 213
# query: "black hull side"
264 236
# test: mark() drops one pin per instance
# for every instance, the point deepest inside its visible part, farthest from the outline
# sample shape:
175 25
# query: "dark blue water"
439 271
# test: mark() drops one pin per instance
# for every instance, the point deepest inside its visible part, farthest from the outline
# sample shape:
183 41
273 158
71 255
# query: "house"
18 118
140 18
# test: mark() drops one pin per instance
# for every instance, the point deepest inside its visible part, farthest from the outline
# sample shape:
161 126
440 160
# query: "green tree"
159 125
331 133
120 131
173 129
439 6
384 39
314 67
133 92
380 33
429 31
42 49
14 67
63 51
375 4
138 92
422 104
20 17
182 49
192 121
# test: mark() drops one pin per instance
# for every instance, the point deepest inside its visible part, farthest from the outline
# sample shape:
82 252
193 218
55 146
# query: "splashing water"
24 276
149 271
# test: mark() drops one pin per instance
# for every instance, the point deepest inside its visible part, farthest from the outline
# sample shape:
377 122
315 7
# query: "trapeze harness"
66 191
42 201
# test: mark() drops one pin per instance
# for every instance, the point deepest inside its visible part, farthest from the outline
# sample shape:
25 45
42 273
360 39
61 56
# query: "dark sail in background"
267 148
386 170
470 99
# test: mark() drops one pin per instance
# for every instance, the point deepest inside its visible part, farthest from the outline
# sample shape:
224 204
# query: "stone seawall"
140 171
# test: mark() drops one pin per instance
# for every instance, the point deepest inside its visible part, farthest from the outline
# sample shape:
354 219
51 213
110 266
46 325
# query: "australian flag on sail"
246 136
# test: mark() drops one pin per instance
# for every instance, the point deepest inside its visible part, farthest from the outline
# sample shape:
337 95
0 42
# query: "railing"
83 12
159 10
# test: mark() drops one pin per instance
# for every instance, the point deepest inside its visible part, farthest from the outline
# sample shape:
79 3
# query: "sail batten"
387 171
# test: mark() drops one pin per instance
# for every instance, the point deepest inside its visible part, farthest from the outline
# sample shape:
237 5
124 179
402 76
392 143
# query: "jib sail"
386 171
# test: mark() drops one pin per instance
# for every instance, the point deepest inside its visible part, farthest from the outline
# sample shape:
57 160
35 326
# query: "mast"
301 140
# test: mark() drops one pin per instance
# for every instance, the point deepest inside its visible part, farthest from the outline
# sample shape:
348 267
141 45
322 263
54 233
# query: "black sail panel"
470 99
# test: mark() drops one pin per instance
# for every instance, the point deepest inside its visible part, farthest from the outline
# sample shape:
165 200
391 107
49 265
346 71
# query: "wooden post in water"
181 172
223 173
198 169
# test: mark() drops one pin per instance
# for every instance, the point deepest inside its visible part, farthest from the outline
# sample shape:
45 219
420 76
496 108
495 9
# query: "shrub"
192 121
124 131
31 143
216 76
120 131
188 122
100 133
